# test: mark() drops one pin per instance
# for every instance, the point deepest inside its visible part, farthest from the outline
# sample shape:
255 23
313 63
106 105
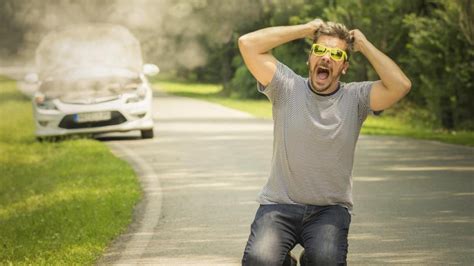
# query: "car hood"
90 85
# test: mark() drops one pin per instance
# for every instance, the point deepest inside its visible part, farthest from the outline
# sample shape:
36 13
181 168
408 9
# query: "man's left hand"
358 39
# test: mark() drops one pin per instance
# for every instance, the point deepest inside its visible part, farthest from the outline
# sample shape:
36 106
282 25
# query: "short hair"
335 30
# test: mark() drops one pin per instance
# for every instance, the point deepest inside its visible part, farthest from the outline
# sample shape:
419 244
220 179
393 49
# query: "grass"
211 92
393 126
382 125
60 203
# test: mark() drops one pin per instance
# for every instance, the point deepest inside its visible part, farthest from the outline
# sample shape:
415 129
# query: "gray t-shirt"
314 140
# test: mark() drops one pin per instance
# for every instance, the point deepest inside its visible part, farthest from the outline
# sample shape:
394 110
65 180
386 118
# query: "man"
308 196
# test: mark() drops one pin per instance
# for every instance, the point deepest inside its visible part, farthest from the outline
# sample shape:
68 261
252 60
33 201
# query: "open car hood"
90 85
88 61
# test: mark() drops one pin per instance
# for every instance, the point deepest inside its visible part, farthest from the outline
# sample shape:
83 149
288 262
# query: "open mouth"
322 73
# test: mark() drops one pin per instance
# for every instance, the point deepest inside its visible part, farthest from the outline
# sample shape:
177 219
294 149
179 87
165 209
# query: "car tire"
50 139
147 133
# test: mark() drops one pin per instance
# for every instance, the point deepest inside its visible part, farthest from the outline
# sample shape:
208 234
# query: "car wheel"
50 139
147 133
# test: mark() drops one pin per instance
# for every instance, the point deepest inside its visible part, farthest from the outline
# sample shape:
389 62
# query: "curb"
129 247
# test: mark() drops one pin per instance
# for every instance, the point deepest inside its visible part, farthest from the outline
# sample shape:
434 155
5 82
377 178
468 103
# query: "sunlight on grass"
183 88
385 124
210 92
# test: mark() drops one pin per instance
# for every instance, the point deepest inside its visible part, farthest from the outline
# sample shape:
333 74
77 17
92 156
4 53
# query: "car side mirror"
150 69
32 78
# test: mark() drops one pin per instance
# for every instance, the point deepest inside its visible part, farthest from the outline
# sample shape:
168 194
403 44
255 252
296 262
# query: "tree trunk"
447 115
226 70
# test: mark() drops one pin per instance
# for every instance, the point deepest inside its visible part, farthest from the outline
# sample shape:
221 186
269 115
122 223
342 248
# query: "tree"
441 63
12 33
466 19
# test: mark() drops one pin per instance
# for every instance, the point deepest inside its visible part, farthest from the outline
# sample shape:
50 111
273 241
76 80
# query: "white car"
91 79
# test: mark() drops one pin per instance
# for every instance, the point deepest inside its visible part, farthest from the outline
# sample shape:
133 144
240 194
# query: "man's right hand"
255 47
315 24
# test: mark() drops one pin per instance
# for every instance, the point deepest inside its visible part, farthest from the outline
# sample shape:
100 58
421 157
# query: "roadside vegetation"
402 120
60 203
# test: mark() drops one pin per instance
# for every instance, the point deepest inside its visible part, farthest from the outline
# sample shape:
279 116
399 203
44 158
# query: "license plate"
92 117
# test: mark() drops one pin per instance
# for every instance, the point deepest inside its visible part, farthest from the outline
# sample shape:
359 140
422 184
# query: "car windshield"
88 60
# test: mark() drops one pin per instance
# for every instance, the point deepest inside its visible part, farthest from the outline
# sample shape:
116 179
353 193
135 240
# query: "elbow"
402 87
246 47
406 85
243 43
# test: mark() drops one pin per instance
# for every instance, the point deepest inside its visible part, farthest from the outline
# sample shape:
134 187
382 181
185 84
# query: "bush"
244 85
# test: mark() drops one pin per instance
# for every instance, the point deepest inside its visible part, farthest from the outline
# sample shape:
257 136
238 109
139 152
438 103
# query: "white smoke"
168 30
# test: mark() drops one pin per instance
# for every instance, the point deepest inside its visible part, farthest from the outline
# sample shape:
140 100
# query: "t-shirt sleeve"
283 80
362 91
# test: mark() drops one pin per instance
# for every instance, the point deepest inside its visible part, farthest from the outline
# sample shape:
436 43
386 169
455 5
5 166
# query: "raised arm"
393 84
255 47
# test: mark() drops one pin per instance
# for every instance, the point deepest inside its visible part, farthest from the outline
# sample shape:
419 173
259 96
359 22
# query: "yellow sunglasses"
335 53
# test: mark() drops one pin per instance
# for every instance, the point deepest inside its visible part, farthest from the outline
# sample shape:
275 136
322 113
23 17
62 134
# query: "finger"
351 33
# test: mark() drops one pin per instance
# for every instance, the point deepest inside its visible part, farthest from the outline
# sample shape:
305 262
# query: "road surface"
204 168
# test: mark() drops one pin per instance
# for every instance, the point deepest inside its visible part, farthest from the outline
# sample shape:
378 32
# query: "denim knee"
325 240
257 258
272 235
321 256
263 250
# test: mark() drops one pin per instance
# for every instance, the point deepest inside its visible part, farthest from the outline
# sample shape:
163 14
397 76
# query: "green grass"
211 92
60 203
385 124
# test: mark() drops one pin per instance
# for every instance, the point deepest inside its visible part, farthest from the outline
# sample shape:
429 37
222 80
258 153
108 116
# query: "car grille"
68 121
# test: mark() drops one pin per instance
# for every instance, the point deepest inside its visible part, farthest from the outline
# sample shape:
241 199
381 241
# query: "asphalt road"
204 168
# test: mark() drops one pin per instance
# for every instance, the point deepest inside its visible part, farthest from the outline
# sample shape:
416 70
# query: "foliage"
243 80
441 62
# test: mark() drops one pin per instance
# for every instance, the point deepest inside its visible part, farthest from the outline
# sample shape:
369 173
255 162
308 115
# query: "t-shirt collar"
308 85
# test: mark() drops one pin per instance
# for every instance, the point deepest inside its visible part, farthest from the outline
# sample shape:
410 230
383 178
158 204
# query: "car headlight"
138 96
44 103
134 99
141 91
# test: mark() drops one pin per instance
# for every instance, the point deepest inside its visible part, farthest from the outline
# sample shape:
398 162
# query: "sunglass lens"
319 50
337 54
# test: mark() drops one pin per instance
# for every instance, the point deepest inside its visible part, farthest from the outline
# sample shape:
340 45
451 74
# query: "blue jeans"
321 230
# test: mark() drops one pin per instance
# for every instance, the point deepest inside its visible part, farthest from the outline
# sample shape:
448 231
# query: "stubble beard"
316 88
319 89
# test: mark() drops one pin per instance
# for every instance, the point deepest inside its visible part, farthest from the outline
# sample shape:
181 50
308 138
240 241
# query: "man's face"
324 72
